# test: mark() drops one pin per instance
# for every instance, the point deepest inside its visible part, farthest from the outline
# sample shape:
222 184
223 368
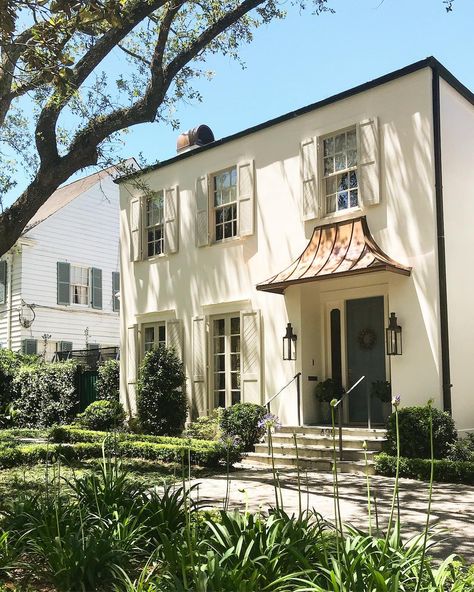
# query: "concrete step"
373 443
314 451
327 431
309 463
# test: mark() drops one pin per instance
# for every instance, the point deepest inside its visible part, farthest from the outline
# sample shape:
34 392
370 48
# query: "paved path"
452 514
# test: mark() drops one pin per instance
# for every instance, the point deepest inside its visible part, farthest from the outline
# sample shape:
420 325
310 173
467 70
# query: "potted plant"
382 389
325 391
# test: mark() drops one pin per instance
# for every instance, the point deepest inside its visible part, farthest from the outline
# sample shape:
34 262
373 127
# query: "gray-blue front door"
365 356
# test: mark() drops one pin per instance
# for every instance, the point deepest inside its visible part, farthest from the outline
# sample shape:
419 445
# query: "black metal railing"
297 378
90 358
339 407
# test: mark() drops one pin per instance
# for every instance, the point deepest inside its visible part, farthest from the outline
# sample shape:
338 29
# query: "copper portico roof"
335 250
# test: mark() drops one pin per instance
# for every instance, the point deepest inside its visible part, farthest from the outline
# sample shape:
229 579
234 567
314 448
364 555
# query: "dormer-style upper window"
154 221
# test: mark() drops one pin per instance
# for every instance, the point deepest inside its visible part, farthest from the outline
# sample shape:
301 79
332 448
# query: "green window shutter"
96 275
29 346
115 290
3 282
64 281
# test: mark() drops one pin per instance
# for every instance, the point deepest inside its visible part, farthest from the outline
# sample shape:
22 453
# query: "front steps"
315 449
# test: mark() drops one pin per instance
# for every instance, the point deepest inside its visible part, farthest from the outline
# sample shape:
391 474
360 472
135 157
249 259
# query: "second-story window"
340 184
224 195
80 285
154 227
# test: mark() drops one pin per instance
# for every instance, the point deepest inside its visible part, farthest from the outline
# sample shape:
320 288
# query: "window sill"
235 240
154 258
348 212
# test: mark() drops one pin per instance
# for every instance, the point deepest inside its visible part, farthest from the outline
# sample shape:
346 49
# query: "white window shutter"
171 220
246 193
199 366
251 362
174 336
309 178
369 162
135 230
202 212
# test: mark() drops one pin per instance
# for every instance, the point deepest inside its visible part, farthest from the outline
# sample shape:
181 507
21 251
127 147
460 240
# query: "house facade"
61 279
330 218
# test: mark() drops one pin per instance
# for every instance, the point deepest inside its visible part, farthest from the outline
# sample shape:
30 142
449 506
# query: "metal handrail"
298 395
340 413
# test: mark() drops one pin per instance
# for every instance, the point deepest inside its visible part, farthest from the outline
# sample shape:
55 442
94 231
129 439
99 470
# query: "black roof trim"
429 62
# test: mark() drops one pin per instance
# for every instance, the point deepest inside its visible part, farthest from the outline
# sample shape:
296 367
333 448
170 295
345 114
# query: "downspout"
10 260
443 291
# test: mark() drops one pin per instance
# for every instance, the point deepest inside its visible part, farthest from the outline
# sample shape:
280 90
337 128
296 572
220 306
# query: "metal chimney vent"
198 136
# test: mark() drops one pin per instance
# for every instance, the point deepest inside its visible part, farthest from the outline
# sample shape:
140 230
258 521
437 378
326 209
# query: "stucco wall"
195 279
457 136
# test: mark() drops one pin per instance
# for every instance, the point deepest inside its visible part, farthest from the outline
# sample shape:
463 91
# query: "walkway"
452 516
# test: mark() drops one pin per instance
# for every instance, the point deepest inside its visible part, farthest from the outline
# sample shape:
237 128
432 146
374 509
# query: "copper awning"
335 250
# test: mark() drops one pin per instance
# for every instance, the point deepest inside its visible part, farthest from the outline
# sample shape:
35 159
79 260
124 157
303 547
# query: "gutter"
443 289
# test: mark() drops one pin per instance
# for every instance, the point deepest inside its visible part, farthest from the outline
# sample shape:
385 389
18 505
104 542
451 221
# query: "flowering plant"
270 422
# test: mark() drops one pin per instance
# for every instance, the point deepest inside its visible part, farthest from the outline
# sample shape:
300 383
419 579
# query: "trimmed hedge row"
37 453
445 471
71 434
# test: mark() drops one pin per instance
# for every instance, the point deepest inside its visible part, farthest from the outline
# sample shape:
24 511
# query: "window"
154 335
340 183
224 200
3 282
79 285
116 291
154 225
226 360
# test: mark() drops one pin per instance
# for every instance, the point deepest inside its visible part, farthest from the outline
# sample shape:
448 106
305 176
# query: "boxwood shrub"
108 380
242 420
102 415
445 471
414 427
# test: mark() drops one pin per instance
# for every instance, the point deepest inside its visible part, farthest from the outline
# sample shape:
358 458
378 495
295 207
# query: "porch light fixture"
289 344
393 336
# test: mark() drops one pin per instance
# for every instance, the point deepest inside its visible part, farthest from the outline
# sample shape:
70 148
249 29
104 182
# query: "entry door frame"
337 299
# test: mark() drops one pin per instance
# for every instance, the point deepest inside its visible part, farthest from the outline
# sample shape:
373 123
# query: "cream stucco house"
330 218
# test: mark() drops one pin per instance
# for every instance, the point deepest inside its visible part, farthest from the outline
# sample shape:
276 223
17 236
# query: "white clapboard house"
351 219
59 284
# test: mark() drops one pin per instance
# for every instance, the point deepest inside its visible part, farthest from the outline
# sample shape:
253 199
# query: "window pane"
219 232
352 158
353 179
235 325
219 362
162 334
219 327
220 380
235 397
149 334
219 345
354 200
328 146
340 143
235 343
351 140
342 200
328 166
343 182
330 185
331 203
340 162
235 362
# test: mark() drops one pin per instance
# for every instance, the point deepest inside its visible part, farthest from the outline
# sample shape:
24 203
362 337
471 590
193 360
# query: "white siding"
9 311
84 232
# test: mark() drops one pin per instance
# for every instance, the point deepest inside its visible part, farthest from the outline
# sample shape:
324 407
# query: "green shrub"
414 426
462 449
46 394
242 420
161 399
108 380
102 415
445 471
205 427
10 363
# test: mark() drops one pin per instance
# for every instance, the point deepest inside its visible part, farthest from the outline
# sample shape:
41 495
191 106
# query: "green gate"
86 385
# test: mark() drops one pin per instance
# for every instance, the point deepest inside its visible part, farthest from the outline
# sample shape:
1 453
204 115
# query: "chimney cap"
198 136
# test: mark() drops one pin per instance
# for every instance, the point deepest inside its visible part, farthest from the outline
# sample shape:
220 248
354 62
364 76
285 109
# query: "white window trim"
228 394
145 228
329 133
212 207
89 286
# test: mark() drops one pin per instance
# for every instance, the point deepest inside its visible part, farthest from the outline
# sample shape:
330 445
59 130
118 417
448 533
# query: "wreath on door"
367 339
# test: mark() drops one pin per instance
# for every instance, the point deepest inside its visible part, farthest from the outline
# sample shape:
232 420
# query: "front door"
365 357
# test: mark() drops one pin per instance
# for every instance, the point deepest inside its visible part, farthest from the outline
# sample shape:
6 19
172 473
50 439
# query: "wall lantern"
289 344
394 336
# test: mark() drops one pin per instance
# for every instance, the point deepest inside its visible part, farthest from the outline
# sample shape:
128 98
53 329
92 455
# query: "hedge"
208 454
72 434
445 471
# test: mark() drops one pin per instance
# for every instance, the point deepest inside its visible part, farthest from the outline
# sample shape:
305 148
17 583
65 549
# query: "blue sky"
304 58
